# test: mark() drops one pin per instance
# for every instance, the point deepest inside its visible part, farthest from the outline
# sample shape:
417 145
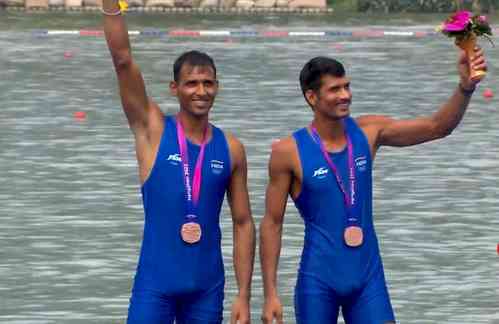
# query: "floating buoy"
498 248
68 54
488 93
337 46
80 115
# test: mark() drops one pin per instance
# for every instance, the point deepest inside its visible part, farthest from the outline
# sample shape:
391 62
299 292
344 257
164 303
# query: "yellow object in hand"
123 5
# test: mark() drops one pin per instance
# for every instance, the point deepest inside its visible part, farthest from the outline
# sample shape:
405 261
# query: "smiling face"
326 87
195 89
332 99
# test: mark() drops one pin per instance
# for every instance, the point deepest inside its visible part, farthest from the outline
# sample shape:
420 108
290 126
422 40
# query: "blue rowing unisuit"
170 269
333 275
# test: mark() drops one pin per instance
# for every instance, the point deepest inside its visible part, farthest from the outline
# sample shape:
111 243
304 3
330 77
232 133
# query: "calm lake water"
71 216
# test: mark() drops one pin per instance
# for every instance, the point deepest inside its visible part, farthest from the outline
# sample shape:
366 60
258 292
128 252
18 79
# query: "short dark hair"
313 71
192 58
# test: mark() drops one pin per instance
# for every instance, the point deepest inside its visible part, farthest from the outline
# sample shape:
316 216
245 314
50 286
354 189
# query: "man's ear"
173 88
311 97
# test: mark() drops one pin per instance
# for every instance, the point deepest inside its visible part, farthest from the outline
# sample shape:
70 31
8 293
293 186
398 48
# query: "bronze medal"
353 236
191 232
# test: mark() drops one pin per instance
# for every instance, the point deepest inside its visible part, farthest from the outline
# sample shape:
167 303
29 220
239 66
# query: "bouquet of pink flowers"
465 28
464 25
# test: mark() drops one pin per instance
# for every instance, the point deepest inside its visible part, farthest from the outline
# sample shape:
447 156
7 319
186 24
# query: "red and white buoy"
488 93
68 54
80 115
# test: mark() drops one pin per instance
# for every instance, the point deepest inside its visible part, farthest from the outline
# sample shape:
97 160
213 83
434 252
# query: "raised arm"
384 130
132 88
278 188
144 116
244 231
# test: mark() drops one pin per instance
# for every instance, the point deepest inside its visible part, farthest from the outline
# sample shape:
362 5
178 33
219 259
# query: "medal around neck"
353 236
191 230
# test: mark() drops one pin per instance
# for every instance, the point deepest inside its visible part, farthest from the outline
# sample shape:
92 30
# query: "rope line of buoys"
358 33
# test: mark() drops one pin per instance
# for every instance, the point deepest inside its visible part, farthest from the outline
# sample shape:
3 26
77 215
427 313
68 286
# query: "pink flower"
482 19
458 22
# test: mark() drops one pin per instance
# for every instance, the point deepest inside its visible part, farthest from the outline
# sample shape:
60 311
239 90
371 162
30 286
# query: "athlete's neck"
194 126
330 130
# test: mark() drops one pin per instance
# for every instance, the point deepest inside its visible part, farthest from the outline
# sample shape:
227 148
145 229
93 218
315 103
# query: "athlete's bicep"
237 191
280 177
384 130
407 132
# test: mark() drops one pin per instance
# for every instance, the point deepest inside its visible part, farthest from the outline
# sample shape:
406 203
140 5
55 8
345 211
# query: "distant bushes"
426 5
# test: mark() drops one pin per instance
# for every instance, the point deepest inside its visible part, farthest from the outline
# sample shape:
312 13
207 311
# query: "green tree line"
486 6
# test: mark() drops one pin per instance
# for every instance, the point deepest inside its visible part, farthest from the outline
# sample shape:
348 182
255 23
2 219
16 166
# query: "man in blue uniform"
326 169
186 166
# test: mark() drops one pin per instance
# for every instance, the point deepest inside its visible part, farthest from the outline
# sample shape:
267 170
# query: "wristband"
116 13
123 6
466 92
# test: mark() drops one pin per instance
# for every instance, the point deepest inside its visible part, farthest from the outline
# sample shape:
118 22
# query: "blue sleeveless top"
321 204
167 264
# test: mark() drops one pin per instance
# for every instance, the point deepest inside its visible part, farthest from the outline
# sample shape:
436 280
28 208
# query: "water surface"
71 215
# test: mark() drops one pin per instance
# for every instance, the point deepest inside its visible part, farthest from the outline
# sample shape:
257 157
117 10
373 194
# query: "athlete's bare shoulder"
236 149
234 143
371 121
156 117
284 154
284 146
372 125
147 140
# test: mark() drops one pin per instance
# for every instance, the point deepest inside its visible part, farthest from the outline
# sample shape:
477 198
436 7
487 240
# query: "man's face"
333 98
196 89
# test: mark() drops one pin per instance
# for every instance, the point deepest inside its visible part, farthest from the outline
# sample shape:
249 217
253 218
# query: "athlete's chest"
320 176
214 165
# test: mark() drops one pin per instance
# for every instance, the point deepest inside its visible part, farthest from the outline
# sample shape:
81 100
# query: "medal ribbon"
349 199
191 191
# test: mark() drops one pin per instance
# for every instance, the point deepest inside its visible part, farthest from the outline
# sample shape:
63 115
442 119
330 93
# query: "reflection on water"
71 215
